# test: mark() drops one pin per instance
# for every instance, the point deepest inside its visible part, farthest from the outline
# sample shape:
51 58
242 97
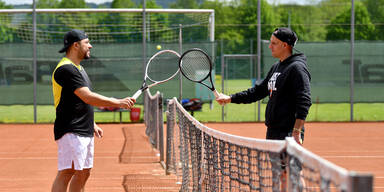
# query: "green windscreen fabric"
115 69
116 64
329 64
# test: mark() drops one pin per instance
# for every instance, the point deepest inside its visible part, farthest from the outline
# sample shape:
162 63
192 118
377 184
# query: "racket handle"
137 94
216 93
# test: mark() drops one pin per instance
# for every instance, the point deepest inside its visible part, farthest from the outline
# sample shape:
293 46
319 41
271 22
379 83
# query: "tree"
151 4
41 4
329 9
224 15
46 21
122 27
83 21
305 20
236 22
5 30
4 6
247 14
186 4
340 29
192 33
73 4
243 14
158 25
123 4
5 21
226 24
376 11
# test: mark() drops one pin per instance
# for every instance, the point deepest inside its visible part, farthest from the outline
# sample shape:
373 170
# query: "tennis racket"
160 68
196 66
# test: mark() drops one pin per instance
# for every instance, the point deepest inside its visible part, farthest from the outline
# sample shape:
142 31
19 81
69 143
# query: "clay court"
125 161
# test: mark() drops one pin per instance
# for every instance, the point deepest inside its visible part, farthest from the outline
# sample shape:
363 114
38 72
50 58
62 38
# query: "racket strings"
162 67
195 66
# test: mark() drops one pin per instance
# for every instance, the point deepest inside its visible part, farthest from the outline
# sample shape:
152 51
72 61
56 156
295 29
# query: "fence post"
222 77
361 182
34 64
258 51
352 67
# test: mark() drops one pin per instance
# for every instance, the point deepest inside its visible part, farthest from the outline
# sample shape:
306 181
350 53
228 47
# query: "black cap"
286 35
72 36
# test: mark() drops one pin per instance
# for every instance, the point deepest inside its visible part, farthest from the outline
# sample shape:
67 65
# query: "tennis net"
205 159
153 119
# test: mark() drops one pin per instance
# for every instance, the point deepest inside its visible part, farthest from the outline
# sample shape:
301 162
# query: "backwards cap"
286 35
71 37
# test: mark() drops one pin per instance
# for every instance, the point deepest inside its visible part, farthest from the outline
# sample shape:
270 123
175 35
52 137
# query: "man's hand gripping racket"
196 66
160 68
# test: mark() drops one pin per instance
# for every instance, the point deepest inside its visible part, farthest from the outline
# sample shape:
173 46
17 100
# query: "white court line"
8 153
147 188
353 156
24 179
42 179
147 157
27 158
89 188
348 152
51 158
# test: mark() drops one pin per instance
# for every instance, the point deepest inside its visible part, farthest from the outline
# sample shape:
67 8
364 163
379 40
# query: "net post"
361 182
170 127
160 129
287 170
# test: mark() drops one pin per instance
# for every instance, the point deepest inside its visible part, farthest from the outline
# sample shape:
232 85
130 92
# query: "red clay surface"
354 146
125 161
28 160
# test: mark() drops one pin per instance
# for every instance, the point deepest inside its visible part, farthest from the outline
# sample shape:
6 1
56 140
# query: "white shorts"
76 149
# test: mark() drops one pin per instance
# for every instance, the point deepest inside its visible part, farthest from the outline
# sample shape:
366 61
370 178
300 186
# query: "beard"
87 55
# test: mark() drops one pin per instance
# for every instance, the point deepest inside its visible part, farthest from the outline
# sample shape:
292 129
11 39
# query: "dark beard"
86 56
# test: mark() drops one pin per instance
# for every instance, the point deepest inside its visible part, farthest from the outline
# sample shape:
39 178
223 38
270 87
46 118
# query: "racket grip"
216 93
137 94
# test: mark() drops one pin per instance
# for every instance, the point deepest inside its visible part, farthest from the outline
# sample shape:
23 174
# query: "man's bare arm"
95 99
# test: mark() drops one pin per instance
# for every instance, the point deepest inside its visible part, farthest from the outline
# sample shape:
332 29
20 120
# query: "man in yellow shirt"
74 127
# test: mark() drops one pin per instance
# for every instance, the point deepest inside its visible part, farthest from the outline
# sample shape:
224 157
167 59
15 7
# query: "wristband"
297 130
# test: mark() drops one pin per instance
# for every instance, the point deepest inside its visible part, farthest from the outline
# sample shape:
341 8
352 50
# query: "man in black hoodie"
288 87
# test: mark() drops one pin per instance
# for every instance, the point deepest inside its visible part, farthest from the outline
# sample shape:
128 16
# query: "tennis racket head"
195 65
162 66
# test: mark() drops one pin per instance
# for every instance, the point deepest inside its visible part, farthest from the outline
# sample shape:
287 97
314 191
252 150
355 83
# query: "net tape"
209 160
101 25
152 115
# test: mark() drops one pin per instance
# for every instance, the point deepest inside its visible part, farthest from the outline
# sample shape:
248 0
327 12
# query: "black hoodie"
288 87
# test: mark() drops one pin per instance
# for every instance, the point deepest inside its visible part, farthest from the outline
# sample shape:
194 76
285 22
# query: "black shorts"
277 135
281 136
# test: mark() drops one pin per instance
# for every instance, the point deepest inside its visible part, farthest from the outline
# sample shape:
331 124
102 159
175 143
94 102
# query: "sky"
15 2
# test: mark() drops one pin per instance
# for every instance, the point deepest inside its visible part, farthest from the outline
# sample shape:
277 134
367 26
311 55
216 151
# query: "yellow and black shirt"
72 114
